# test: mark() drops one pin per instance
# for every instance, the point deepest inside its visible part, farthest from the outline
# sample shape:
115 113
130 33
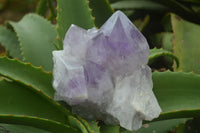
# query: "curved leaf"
163 40
9 40
72 12
45 124
27 74
154 53
109 129
94 126
52 9
161 126
36 36
77 124
16 99
13 128
101 10
142 23
180 9
177 93
42 7
186 44
19 99
158 127
91 126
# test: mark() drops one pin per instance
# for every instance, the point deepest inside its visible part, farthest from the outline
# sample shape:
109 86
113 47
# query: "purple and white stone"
103 73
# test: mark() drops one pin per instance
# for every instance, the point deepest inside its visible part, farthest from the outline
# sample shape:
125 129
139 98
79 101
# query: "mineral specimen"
103 73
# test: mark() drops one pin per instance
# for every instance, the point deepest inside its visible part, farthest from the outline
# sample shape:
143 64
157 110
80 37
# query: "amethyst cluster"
103 73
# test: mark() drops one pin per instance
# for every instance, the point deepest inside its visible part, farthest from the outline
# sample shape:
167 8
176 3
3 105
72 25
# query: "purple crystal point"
103 73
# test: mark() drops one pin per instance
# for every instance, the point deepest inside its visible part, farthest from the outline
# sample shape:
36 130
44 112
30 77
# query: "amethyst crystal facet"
103 73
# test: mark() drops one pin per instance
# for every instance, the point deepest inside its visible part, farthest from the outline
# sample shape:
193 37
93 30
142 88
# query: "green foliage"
155 53
42 7
137 4
25 100
26 91
52 9
101 10
36 37
45 124
109 129
94 126
177 93
27 74
4 128
192 126
158 127
91 126
77 124
9 40
180 128
73 12
142 23
163 40
161 126
180 9
186 44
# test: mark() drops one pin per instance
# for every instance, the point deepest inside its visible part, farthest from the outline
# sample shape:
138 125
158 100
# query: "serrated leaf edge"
165 53
82 127
16 117
38 91
57 27
164 115
19 37
18 41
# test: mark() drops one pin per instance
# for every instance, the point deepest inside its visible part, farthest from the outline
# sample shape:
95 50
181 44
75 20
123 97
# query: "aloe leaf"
177 93
137 4
45 124
186 44
180 9
23 73
77 124
101 10
42 7
164 126
163 40
19 99
36 36
94 126
72 12
9 40
52 9
166 23
27 74
109 129
155 53
142 23
13 128
91 126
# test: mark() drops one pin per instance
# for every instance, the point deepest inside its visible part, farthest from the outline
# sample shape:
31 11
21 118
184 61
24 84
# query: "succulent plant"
27 95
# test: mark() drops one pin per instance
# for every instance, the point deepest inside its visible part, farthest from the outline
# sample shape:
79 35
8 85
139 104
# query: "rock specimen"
103 73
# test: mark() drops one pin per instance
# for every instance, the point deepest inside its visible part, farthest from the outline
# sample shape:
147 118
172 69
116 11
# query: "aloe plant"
26 93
